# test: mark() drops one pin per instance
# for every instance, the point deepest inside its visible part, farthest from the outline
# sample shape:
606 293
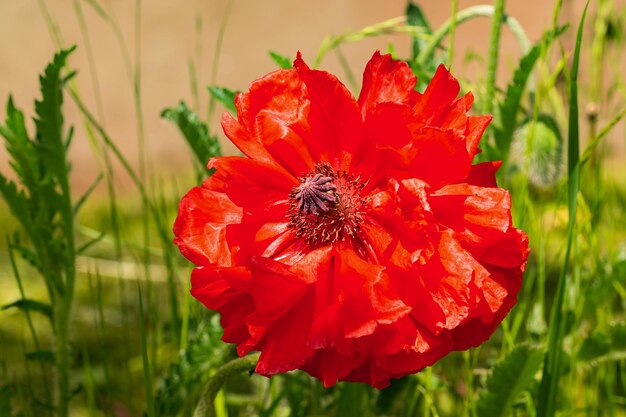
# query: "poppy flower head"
355 239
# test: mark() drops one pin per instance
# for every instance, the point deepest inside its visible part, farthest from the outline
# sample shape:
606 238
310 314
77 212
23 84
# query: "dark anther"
315 193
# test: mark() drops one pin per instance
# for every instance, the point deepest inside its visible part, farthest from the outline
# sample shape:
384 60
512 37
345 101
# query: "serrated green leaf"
510 105
26 304
511 376
180 386
16 200
224 96
18 145
281 60
49 118
203 145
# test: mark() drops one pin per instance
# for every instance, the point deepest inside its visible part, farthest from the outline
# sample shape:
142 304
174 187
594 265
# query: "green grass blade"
546 404
596 140
494 49
147 370
218 50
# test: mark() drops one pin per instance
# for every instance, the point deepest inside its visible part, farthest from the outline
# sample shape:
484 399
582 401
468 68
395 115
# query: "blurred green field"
136 343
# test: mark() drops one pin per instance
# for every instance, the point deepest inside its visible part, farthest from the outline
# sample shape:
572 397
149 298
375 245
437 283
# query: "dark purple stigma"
314 194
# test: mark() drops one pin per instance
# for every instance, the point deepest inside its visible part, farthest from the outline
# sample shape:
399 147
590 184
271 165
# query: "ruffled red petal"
200 228
334 115
386 81
432 264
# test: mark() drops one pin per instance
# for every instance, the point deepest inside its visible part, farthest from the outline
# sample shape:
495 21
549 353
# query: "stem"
205 407
494 49
62 354
464 15
455 10
216 56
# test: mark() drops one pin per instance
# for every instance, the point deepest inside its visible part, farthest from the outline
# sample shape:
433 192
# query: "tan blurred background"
171 37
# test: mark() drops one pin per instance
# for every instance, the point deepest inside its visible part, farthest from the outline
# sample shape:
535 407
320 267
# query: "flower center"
327 206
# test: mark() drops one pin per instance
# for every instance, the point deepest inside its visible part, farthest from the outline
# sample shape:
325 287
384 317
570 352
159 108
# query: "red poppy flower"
355 240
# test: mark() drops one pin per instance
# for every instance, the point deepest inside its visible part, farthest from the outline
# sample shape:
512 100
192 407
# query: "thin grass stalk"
345 65
108 167
96 294
463 16
216 56
494 53
194 64
546 405
455 10
147 370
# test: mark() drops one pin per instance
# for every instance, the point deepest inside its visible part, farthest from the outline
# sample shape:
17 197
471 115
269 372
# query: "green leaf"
510 105
49 118
604 346
511 376
181 384
281 60
19 146
416 17
203 145
44 356
26 304
224 96
17 202
426 69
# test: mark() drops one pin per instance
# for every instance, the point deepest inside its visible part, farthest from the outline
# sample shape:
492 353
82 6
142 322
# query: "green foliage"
45 356
546 404
415 17
26 304
42 203
511 103
424 70
604 346
224 96
179 388
510 377
281 60
195 132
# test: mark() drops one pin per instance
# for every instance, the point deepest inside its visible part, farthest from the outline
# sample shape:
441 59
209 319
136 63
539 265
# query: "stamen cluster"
327 206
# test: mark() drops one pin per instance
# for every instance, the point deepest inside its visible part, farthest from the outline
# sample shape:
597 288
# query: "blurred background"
179 39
